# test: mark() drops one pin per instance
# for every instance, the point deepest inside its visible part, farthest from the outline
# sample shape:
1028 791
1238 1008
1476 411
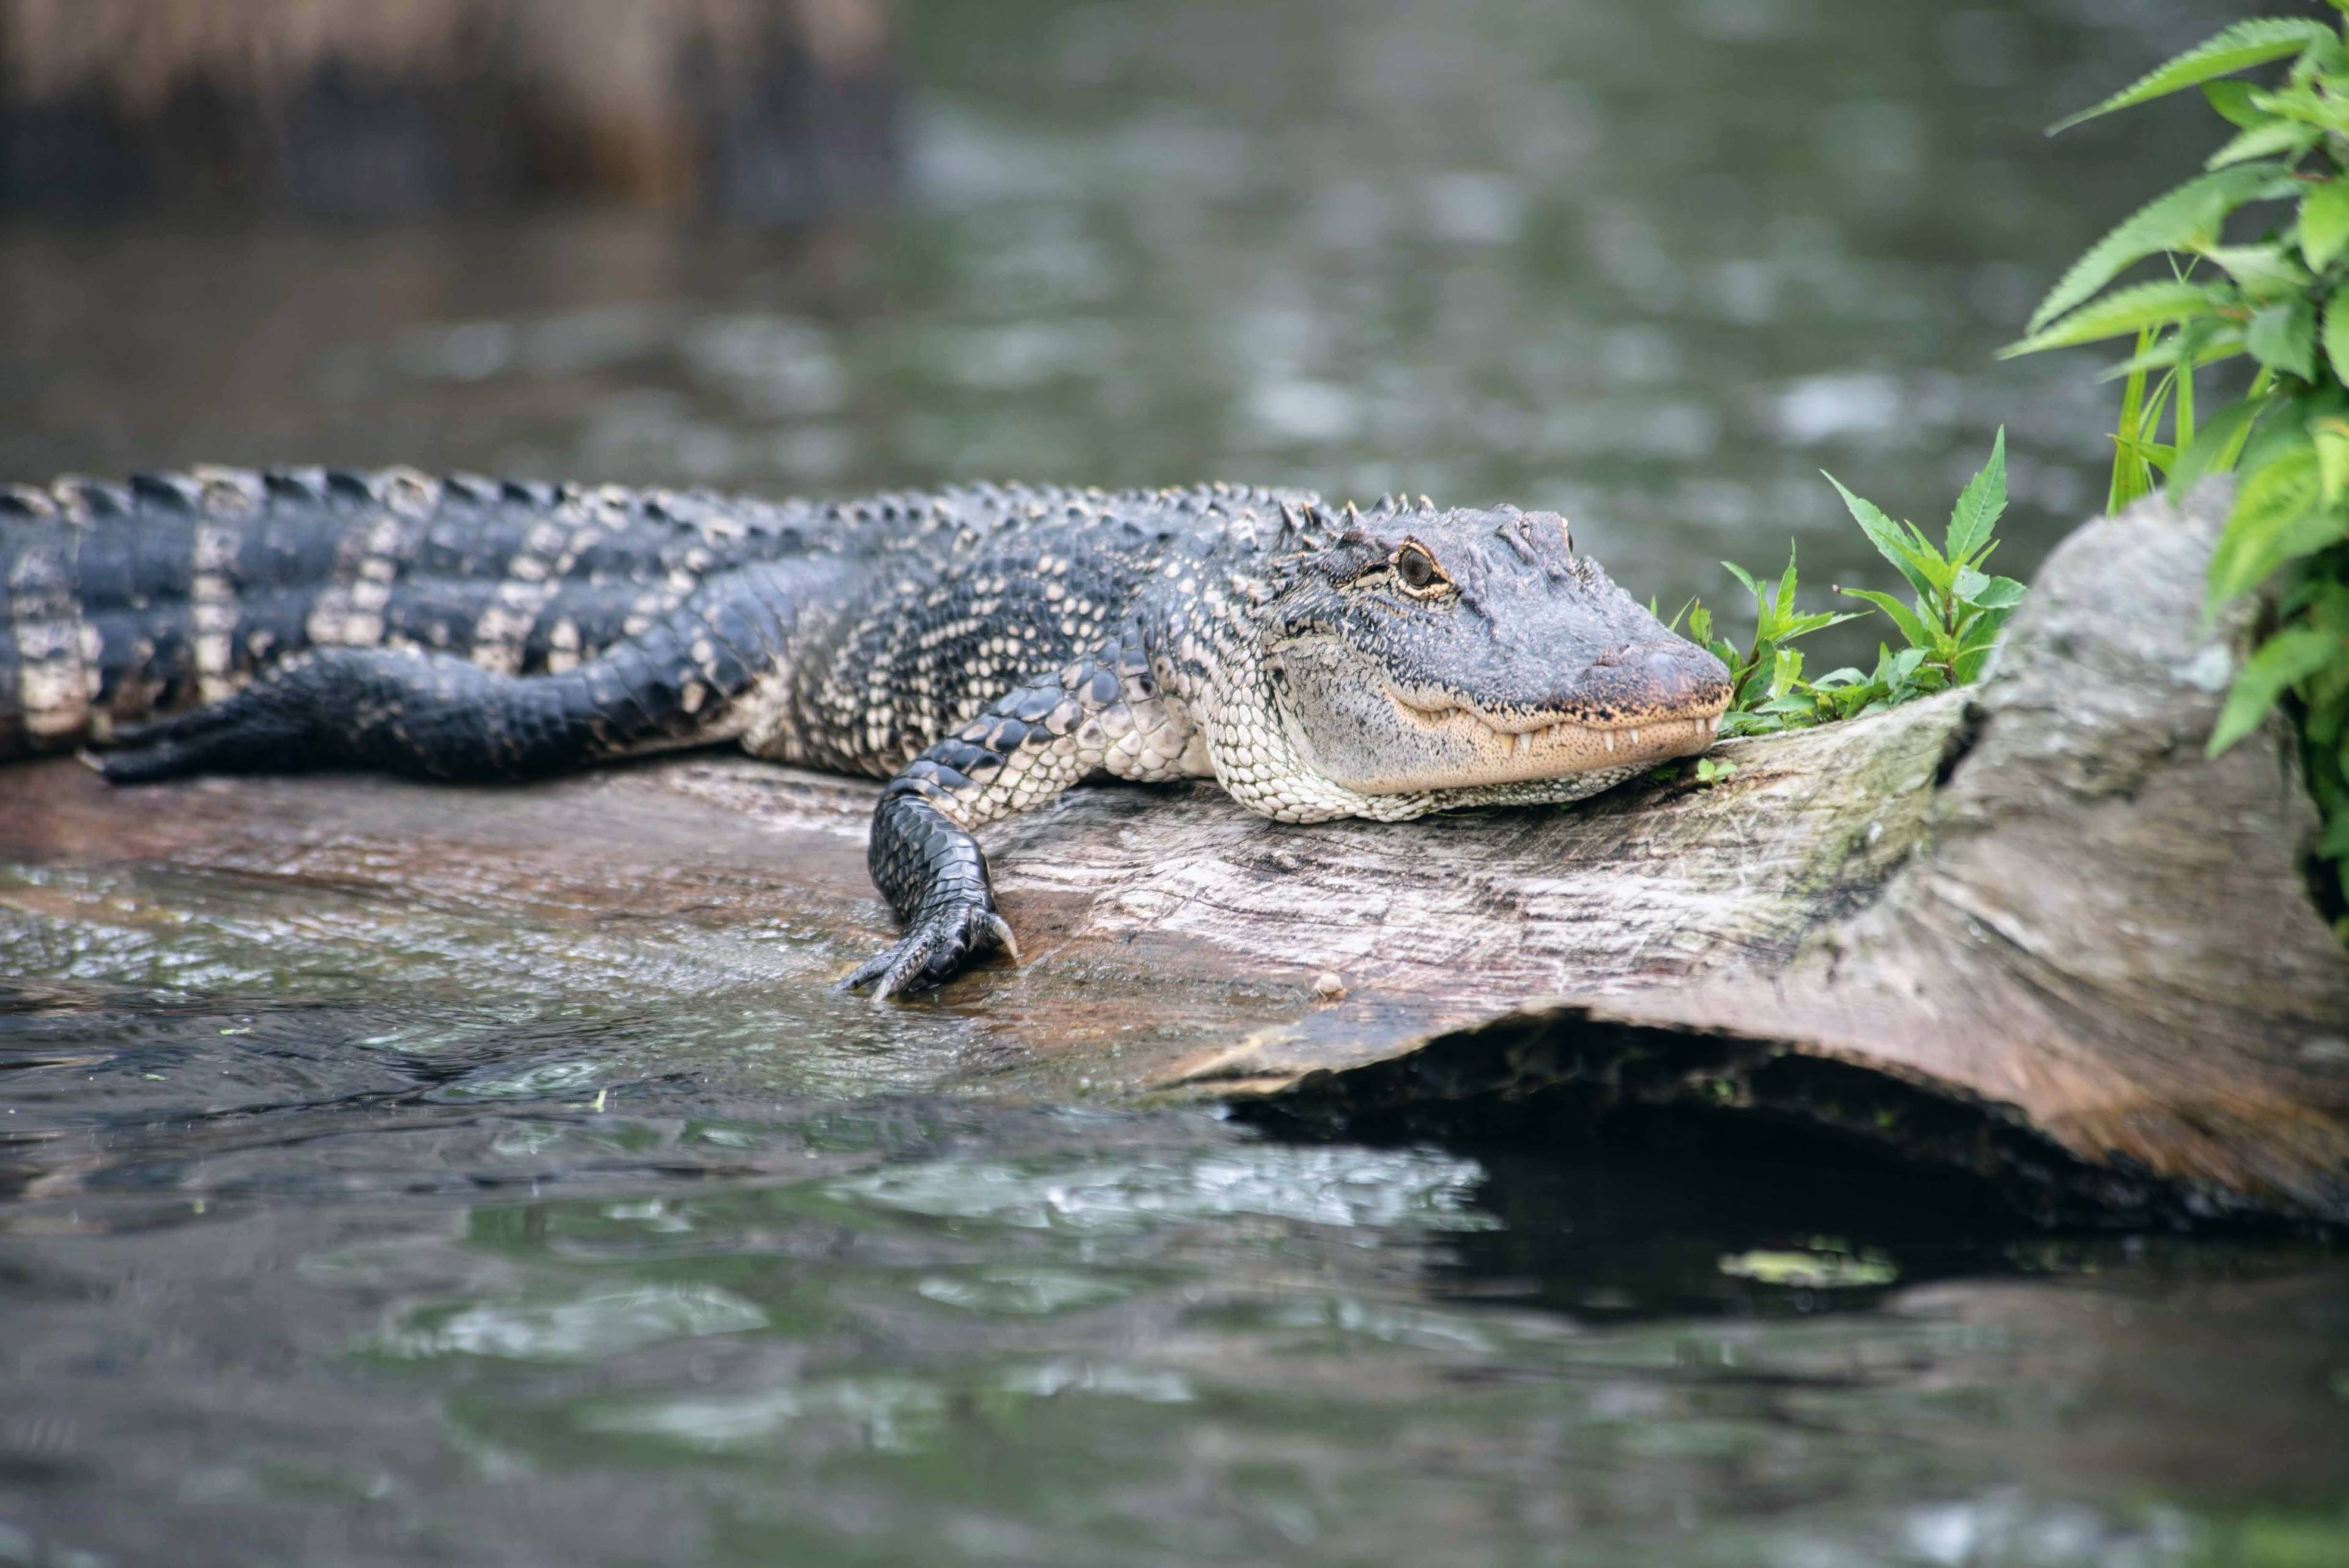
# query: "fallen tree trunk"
2028 930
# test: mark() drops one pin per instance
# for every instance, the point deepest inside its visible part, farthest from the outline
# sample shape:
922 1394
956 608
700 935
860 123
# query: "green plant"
2279 297
1948 628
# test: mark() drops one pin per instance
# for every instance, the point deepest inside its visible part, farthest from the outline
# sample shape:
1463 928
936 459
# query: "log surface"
2035 905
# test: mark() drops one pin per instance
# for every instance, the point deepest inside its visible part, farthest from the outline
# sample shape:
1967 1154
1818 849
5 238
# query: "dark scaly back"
122 602
975 591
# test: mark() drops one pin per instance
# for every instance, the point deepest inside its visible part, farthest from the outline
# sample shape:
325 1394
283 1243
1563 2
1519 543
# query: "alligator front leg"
1099 715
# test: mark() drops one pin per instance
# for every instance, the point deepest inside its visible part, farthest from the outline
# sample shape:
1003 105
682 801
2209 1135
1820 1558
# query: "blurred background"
1652 265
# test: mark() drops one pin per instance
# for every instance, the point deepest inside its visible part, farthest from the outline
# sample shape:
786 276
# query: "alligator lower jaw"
1497 755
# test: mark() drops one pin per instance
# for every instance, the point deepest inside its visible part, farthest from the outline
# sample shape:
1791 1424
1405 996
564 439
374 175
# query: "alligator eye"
1418 570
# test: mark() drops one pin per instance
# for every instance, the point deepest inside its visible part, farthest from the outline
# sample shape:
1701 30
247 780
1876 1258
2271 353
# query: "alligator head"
1419 651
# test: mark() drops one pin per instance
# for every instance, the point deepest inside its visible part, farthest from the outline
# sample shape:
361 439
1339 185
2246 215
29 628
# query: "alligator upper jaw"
1512 748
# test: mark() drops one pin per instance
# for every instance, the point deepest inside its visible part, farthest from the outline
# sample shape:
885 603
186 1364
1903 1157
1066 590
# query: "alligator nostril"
1675 677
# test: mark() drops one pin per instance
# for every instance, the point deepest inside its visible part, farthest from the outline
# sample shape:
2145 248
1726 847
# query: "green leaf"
2209 341
1968 582
2271 138
1786 669
2216 444
2004 593
1912 625
1974 646
2324 222
2233 102
2336 332
2178 220
2331 437
2237 48
2278 517
1804 625
1745 577
2264 272
2283 661
2129 310
1886 535
1980 504
2324 112
2283 337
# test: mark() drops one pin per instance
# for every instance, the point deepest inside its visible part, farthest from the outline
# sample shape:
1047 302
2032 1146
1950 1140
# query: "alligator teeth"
1526 741
1635 734
1611 739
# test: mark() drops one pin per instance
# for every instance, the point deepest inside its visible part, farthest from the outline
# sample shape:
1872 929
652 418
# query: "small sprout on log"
1712 770
1948 627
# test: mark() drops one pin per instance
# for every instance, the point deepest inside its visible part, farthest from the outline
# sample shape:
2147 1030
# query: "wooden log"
2028 930
765 109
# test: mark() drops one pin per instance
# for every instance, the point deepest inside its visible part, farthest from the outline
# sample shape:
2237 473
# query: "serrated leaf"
1968 582
2178 220
2004 593
1885 534
2232 100
1980 504
2128 310
1804 625
2263 271
2322 111
1912 625
2283 337
2337 332
2274 136
2279 516
2324 222
2212 341
2280 663
2331 438
2237 48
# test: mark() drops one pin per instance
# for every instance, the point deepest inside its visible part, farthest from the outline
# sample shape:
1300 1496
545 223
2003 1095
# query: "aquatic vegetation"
2280 298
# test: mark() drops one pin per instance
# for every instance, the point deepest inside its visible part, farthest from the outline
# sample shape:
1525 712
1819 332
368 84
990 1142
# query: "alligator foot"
938 945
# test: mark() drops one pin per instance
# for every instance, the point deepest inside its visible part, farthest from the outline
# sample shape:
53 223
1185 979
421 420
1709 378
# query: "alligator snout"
1675 677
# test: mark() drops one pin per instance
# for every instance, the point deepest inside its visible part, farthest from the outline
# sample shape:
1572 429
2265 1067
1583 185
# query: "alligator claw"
938 944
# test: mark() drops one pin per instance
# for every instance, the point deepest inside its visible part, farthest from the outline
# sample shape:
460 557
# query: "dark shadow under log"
2027 932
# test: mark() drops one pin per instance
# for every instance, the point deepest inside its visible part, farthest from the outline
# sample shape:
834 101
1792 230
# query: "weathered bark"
2029 929
771 108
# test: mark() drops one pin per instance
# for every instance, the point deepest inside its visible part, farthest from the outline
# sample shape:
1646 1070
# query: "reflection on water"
716 1318
310 1252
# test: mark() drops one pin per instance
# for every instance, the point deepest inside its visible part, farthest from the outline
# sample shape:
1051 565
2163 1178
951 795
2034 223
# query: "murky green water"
298 1265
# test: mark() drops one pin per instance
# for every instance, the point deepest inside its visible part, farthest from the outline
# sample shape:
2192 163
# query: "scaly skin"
982 648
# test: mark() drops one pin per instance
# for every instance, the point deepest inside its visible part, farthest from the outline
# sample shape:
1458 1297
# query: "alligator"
982 648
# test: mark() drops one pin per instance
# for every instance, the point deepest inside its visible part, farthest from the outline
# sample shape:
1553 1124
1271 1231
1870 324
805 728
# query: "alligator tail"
124 602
